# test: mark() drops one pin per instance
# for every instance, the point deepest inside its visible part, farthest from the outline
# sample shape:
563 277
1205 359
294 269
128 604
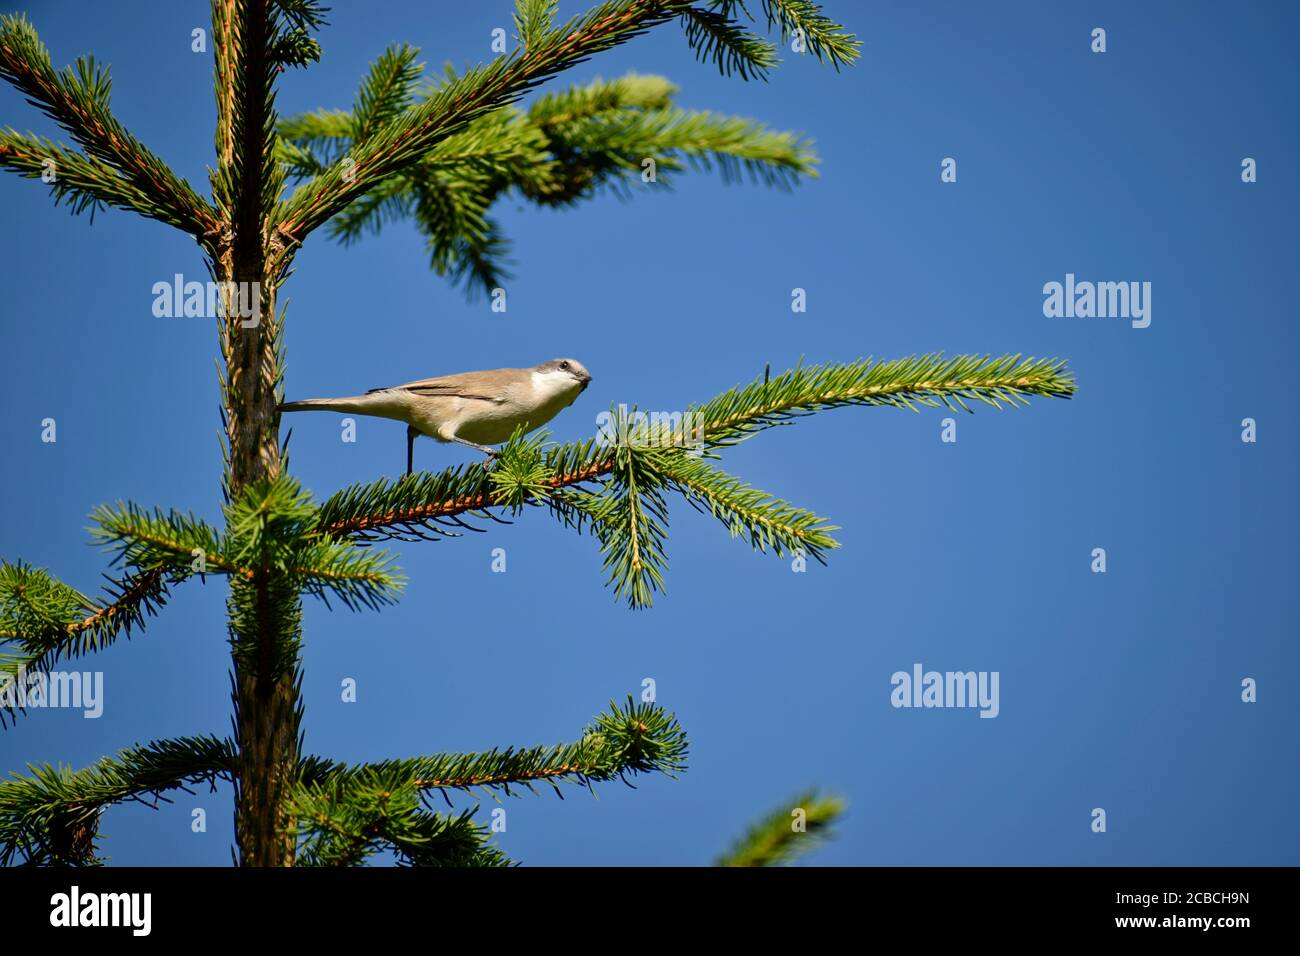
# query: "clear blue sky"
1118 691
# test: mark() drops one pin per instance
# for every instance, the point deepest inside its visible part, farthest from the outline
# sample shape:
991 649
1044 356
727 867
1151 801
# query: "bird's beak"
586 380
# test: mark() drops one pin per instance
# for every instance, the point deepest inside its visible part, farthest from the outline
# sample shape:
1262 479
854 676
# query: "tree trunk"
265 655
265 611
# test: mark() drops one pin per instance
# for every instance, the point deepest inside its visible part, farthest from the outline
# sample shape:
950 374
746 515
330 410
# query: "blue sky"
1118 690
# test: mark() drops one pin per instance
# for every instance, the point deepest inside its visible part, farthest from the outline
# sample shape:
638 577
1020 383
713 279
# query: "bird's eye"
564 365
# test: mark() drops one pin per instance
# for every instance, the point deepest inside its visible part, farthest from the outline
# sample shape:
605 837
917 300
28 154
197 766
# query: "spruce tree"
439 152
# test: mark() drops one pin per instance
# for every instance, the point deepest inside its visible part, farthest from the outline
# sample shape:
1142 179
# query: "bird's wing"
490 386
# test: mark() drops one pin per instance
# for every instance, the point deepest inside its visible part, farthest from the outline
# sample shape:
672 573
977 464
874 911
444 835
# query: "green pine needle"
568 146
43 620
787 832
51 816
715 36
345 814
534 20
116 168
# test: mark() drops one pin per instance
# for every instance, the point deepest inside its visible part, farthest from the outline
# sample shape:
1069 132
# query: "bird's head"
566 372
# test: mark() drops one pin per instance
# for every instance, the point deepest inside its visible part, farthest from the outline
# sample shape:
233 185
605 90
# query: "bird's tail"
361 404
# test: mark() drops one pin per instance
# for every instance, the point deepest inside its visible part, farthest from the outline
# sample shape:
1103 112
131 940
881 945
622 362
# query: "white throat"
549 386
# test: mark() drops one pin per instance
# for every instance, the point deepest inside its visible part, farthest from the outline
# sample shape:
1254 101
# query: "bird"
477 409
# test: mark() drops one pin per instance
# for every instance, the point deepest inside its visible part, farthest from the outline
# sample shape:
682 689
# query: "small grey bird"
477 409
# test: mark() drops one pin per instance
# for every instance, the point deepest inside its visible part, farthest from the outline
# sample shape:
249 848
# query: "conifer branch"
556 109
266 533
534 19
630 519
715 36
370 510
171 540
786 832
268 530
50 817
356 577
310 142
567 146
117 169
345 814
931 381
224 27
768 522
628 512
430 502
83 183
344 829
825 39
401 140
247 181
484 88
385 92
637 738
43 620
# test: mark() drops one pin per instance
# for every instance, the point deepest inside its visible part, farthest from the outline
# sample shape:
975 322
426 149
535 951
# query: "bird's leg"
490 452
411 434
